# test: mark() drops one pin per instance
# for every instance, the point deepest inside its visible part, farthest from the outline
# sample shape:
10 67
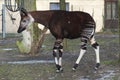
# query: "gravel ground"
16 66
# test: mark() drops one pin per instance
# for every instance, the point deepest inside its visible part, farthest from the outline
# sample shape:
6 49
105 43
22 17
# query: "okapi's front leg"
58 49
82 52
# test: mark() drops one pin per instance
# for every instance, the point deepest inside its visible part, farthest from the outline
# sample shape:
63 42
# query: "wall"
11 27
94 7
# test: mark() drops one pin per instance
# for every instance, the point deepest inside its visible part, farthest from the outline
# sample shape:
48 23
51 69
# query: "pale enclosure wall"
10 26
94 7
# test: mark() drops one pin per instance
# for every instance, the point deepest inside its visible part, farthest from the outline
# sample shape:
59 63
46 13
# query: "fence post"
3 21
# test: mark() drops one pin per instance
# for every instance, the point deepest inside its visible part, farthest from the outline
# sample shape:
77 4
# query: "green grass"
35 72
111 62
25 72
47 71
109 31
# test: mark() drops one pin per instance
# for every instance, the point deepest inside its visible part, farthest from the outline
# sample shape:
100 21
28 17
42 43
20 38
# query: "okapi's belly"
86 32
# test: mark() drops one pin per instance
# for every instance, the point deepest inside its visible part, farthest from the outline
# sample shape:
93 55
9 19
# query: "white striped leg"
95 45
55 51
60 65
60 58
60 61
60 55
82 52
56 61
80 56
55 56
58 49
97 58
97 55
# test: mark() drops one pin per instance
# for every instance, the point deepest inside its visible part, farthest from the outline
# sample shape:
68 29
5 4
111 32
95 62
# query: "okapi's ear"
23 12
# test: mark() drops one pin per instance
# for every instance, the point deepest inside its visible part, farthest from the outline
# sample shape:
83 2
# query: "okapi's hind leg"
57 53
95 45
82 52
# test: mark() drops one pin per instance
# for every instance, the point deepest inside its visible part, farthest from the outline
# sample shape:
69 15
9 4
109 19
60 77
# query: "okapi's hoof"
59 70
75 67
97 66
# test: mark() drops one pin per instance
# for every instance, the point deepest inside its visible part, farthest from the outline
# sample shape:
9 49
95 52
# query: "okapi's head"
26 20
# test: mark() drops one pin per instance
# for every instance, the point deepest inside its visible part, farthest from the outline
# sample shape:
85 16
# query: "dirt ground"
16 66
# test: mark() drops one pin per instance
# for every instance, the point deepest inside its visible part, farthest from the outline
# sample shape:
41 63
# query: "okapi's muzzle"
20 29
24 20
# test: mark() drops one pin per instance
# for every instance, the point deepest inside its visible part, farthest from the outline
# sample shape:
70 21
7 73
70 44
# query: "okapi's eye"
24 21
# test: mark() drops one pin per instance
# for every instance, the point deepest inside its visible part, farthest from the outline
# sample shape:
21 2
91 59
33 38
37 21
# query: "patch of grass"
25 72
116 78
113 63
109 31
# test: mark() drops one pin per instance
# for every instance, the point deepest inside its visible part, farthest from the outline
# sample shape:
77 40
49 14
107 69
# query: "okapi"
64 24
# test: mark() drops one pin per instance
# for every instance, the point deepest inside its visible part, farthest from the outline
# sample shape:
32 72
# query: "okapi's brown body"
64 24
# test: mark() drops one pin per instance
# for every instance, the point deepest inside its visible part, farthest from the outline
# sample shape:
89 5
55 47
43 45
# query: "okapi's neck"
42 17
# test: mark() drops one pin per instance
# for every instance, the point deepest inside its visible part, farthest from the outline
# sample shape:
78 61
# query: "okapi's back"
78 13
73 24
85 16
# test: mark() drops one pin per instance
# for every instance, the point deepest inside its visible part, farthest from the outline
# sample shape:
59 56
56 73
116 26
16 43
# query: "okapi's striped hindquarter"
64 24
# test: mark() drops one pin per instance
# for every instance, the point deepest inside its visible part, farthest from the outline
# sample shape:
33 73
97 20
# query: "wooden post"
3 22
63 7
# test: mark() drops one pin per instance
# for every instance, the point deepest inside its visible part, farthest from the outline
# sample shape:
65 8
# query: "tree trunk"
63 7
32 38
